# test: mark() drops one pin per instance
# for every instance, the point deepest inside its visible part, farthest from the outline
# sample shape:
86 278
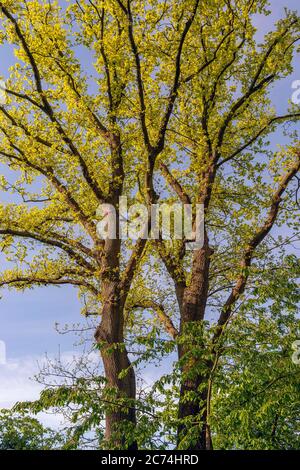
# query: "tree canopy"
19 432
161 102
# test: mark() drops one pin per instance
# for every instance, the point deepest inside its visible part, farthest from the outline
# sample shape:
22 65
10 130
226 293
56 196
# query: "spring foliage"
160 101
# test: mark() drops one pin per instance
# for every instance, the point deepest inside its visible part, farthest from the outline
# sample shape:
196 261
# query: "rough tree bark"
192 308
192 301
110 338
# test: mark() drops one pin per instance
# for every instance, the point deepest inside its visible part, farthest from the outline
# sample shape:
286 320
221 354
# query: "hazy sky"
27 319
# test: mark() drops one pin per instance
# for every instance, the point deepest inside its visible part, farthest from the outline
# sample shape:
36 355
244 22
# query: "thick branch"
162 315
50 242
47 108
131 267
257 239
49 174
284 118
140 85
175 185
174 90
256 84
31 280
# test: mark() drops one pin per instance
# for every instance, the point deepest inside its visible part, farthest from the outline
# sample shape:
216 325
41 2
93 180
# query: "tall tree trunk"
110 337
195 366
195 370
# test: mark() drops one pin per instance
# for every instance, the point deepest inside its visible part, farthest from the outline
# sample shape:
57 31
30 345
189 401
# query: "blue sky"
27 319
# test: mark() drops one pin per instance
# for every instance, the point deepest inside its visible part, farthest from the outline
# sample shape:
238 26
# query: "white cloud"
17 384
15 381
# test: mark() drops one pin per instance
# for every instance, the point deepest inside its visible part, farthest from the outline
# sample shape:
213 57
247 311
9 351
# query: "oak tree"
174 105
